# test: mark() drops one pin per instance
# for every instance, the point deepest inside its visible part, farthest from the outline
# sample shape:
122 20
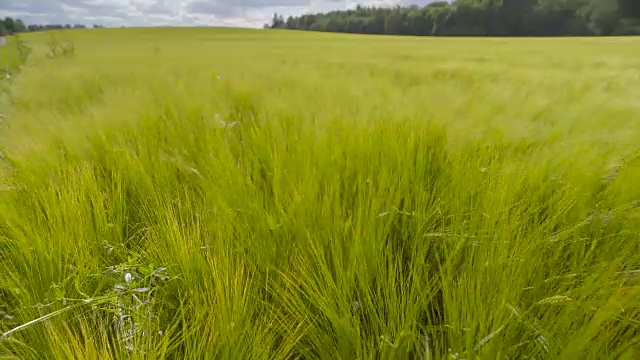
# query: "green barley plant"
249 194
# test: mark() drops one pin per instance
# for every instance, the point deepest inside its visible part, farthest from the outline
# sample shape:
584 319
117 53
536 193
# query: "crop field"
250 194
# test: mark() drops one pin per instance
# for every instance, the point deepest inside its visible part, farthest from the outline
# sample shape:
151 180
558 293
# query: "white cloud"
243 13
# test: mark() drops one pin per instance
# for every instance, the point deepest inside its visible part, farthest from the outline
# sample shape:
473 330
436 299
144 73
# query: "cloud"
243 13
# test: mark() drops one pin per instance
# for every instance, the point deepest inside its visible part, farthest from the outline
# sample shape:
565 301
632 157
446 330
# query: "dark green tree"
377 22
291 23
441 16
19 26
629 9
9 25
604 17
468 19
277 22
517 15
394 22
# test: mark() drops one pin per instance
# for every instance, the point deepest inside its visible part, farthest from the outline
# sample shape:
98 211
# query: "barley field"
249 194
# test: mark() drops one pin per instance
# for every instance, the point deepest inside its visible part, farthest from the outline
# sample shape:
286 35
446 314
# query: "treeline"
480 18
10 26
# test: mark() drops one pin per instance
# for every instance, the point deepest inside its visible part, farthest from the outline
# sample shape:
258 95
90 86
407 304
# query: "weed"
60 47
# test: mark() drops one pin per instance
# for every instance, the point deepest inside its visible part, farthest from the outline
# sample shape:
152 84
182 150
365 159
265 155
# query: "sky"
115 13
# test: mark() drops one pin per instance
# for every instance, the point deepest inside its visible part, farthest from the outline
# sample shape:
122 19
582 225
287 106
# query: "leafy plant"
60 47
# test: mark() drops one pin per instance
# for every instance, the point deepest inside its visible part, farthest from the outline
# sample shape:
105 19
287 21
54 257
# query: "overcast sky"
243 13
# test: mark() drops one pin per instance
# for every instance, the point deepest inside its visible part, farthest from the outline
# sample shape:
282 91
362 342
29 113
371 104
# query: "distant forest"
479 18
10 26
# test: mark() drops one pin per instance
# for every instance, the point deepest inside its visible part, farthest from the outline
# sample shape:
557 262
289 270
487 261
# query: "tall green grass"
201 193
13 55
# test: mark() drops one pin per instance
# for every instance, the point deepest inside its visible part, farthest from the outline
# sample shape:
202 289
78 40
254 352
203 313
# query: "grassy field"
239 194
